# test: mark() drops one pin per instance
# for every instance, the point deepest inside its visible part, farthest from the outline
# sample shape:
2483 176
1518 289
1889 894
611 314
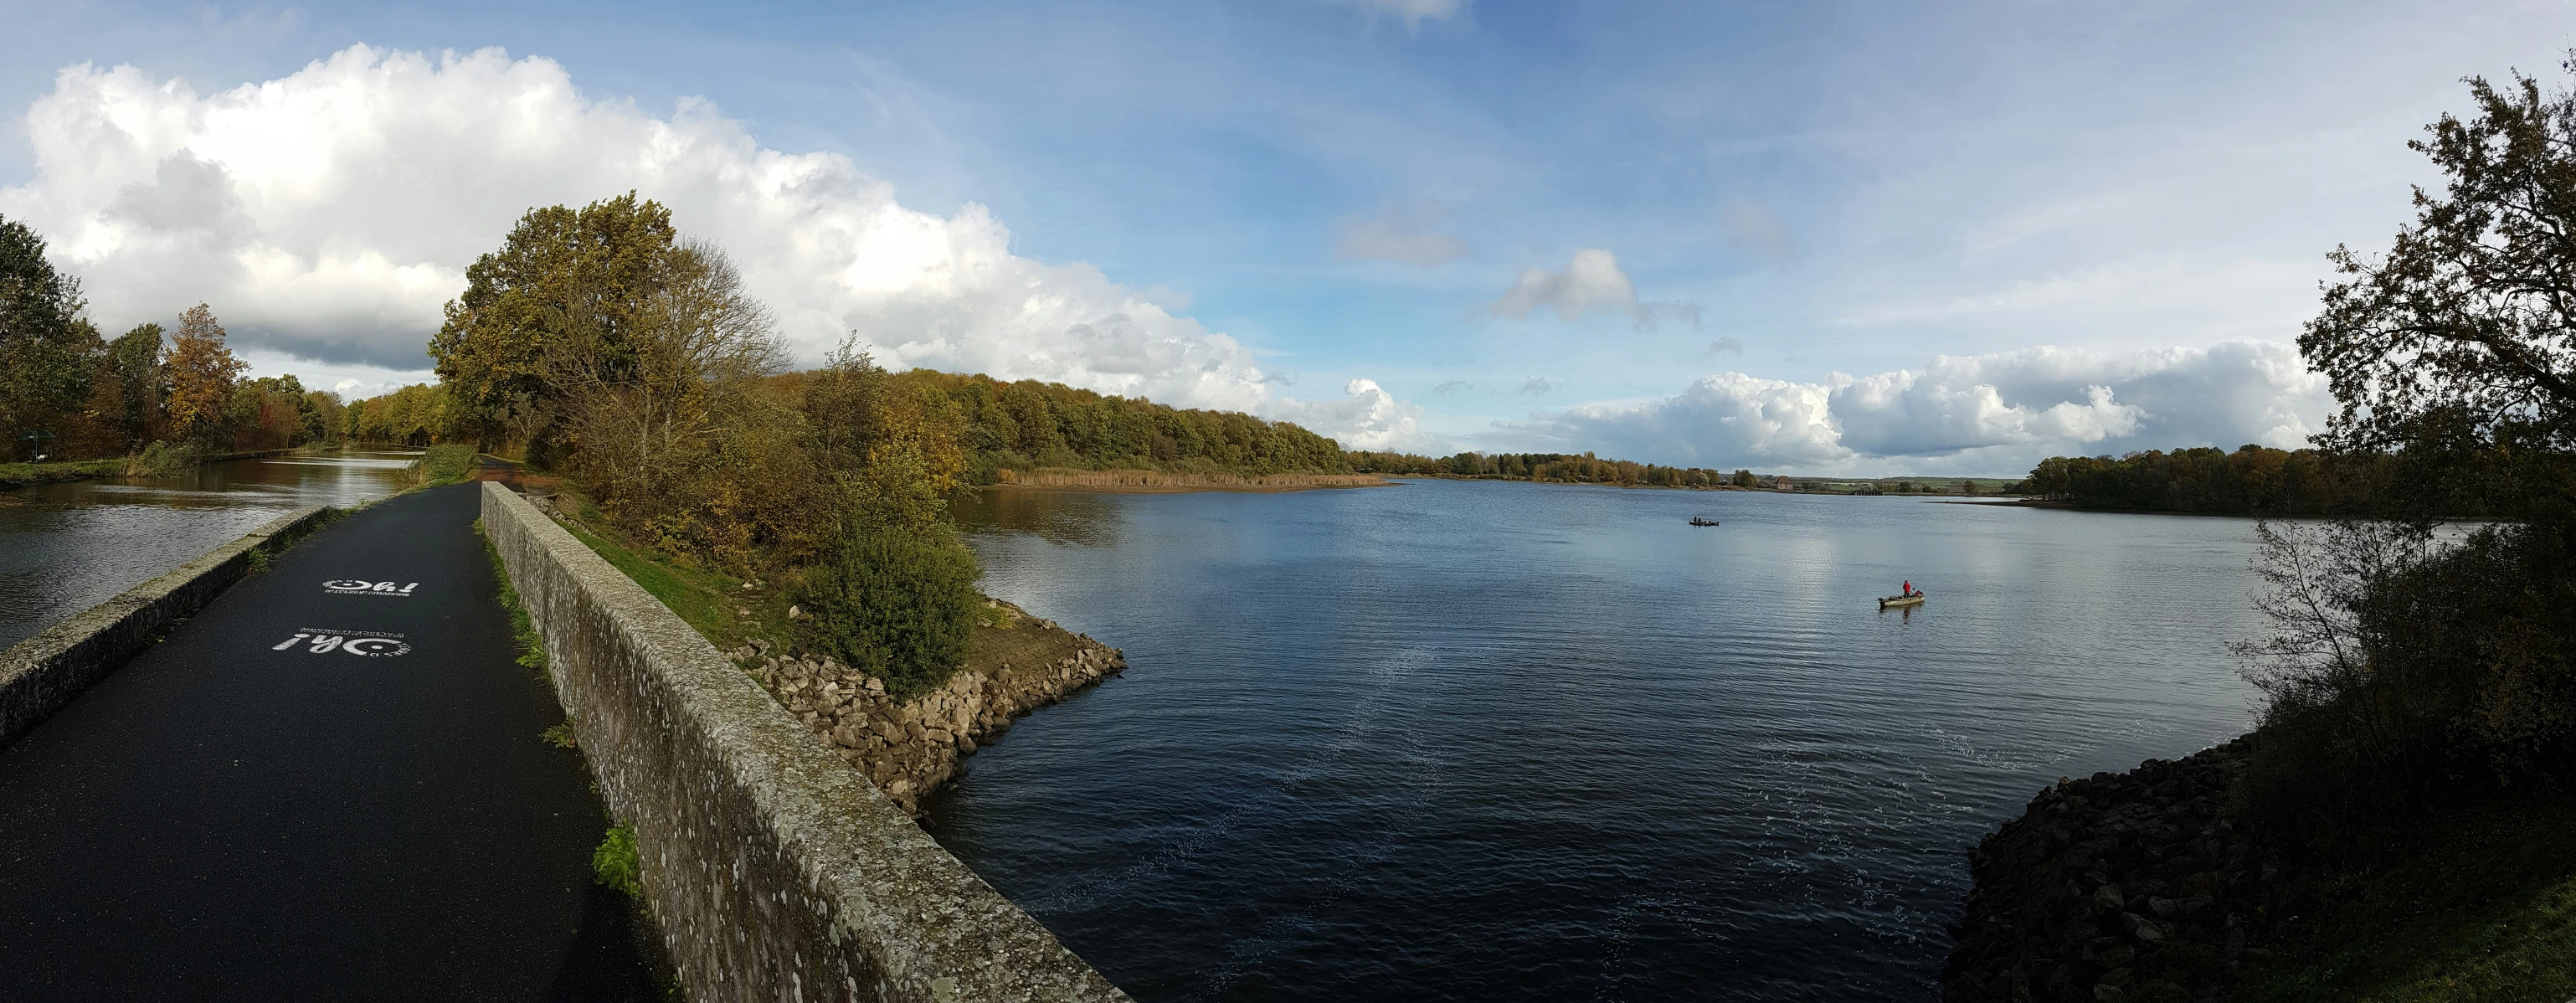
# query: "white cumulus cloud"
1591 281
328 214
1367 417
1995 413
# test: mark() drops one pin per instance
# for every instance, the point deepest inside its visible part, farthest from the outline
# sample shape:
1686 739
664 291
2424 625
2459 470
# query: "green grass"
446 463
2480 905
713 603
21 474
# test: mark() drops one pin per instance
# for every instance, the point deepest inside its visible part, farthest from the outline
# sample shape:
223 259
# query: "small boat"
1701 520
1890 602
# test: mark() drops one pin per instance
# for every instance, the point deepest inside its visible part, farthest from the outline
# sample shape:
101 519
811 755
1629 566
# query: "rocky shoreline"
2119 886
914 747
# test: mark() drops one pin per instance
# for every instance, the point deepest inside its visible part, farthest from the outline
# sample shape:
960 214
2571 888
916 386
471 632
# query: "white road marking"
359 587
364 643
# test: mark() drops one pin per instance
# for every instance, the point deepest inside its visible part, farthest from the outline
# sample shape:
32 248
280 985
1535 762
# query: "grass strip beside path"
715 604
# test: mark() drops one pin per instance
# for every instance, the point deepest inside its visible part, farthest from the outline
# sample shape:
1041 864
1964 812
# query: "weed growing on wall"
616 864
532 648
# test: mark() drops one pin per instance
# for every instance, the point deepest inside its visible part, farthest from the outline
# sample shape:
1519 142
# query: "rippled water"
1489 741
64 547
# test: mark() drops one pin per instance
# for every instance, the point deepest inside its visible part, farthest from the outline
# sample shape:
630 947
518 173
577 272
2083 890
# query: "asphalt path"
328 784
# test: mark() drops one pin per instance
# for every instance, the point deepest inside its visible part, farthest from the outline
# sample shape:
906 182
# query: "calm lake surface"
1492 741
65 547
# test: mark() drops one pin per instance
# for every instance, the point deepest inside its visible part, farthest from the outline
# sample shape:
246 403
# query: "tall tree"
201 371
2467 327
134 364
46 349
565 285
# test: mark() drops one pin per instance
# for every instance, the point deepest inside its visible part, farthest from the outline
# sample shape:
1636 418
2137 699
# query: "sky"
1826 238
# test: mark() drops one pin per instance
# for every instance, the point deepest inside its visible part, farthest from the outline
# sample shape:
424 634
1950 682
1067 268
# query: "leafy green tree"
2464 333
47 351
134 365
2406 670
566 293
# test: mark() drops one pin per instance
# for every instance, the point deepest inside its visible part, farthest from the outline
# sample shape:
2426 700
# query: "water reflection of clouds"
73 544
1658 736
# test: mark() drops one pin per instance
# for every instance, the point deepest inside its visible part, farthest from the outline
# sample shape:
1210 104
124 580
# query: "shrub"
157 459
2405 672
899 604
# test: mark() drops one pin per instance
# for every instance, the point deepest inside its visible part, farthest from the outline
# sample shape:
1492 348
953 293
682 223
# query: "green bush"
2406 672
898 604
157 459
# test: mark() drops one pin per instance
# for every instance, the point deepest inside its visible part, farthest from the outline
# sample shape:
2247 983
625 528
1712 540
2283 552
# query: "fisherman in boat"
1909 588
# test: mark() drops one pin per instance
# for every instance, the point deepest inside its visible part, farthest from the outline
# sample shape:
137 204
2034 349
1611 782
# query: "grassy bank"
446 463
716 604
17 475
2477 905
156 461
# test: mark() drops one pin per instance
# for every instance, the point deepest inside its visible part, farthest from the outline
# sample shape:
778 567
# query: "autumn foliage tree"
200 370
558 306
609 347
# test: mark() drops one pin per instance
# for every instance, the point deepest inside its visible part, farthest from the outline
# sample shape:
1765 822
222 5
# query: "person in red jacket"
1909 588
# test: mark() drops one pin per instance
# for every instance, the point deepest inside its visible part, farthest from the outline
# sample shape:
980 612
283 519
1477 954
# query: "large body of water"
1489 741
65 547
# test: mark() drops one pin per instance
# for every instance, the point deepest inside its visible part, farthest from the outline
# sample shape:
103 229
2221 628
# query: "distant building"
1782 484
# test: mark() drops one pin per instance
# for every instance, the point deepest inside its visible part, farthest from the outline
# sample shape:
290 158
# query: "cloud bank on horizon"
1982 414
329 214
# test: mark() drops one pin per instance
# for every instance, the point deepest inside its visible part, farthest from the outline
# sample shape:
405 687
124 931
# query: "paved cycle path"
328 784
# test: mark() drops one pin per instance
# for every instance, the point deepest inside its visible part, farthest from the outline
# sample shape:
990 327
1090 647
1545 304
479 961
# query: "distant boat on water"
1701 520
1914 599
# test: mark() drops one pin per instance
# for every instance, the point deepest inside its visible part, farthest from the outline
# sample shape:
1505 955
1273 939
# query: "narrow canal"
65 547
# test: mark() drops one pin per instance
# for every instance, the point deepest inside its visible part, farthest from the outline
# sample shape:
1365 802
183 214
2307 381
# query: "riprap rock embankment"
2127 886
913 747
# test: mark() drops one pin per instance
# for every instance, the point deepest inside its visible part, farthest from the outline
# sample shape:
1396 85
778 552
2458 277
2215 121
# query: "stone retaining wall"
42 673
775 871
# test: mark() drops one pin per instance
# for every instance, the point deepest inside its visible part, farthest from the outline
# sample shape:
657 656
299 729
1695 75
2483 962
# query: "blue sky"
1816 237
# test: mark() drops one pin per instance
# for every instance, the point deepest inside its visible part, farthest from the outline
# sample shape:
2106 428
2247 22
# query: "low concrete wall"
42 673
775 871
